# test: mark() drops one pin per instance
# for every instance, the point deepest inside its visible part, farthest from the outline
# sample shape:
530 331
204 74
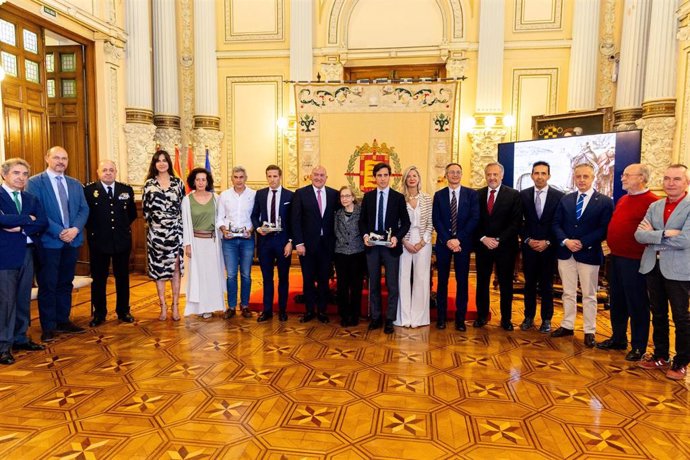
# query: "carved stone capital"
624 119
659 108
140 147
484 151
167 138
657 146
211 139
167 121
206 122
139 116
113 53
332 71
455 67
683 33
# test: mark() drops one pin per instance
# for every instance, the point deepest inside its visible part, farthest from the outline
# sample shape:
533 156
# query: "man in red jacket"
628 287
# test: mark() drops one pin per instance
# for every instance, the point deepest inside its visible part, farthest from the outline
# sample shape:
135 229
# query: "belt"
204 234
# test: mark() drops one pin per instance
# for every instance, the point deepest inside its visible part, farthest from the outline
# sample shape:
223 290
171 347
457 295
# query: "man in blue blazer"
539 245
666 263
63 199
21 221
580 224
272 205
454 234
313 232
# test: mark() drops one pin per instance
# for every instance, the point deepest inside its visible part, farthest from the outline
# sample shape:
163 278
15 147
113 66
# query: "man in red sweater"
628 287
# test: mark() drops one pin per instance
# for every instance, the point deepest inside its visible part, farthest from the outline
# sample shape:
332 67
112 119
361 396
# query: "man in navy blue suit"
63 199
580 226
455 216
21 221
272 206
539 245
313 232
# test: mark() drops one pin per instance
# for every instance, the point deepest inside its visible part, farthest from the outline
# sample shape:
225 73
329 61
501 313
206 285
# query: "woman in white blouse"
413 303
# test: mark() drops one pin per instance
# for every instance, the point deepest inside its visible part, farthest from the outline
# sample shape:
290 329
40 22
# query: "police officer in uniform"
112 211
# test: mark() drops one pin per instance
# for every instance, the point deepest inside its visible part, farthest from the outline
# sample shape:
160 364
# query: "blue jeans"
238 253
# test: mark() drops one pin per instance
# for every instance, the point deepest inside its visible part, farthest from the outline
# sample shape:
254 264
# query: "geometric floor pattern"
235 389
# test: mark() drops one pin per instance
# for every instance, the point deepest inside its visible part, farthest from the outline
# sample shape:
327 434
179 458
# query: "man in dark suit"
111 213
539 245
21 221
63 199
313 233
383 213
272 205
455 216
580 226
500 216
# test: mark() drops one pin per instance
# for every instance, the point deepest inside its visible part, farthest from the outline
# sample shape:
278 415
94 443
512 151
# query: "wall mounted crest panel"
535 15
254 20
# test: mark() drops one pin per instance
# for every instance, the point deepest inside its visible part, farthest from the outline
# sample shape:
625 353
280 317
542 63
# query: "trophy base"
387 244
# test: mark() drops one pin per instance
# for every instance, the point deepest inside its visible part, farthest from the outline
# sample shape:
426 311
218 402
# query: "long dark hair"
192 177
153 172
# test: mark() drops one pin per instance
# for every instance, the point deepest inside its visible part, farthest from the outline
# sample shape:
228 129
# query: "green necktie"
17 203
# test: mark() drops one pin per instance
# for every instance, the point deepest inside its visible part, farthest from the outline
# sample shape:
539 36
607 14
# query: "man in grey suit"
666 232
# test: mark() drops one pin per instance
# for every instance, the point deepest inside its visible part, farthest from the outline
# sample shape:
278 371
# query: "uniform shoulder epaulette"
89 183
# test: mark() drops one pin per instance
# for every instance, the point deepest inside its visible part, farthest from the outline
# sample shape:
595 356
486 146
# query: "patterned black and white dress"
163 214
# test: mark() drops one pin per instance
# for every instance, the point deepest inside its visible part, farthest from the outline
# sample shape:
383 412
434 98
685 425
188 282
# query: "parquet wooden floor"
237 389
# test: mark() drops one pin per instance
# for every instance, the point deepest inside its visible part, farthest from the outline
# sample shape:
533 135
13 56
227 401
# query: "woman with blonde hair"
415 260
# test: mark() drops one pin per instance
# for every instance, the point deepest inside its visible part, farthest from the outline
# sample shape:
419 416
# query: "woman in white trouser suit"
413 303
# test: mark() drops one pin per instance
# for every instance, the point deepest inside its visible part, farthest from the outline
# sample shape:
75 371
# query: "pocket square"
287 202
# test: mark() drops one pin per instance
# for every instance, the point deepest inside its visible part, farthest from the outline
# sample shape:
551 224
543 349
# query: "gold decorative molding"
626 116
139 116
276 34
166 121
551 21
659 108
206 122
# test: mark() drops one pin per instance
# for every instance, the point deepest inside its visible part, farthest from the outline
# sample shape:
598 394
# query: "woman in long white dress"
205 279
415 260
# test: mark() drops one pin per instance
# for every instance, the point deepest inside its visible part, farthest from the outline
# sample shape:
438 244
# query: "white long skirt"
205 281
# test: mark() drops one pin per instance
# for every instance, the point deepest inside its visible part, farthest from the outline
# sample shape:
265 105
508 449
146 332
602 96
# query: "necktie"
62 194
17 203
453 214
110 192
318 198
379 215
490 203
579 206
537 203
273 206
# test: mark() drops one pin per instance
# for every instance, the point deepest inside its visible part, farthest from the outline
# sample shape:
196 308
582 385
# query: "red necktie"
490 203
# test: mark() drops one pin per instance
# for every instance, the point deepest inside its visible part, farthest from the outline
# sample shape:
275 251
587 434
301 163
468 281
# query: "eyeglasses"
628 175
345 196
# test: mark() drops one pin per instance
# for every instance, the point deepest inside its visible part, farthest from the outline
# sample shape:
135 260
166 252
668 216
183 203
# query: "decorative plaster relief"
186 70
167 138
114 132
331 71
608 63
272 33
212 139
531 16
140 147
657 146
455 66
684 148
484 151
112 52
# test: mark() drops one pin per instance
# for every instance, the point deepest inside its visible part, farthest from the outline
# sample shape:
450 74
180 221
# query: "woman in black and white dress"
162 200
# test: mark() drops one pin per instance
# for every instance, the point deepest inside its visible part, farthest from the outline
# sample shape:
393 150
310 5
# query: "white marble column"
582 77
628 107
207 132
139 128
658 121
166 107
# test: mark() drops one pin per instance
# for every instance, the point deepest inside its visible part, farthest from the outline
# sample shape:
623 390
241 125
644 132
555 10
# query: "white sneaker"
207 315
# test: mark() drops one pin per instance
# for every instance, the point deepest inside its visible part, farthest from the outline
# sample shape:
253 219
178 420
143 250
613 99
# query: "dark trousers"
461 260
378 256
316 271
24 285
100 269
55 275
629 299
349 269
539 268
505 265
8 306
271 255
663 291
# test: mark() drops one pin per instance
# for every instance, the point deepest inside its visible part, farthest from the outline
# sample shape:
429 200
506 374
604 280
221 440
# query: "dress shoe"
95 322
388 328
307 317
634 355
282 316
246 313
589 340
375 324
460 327
527 324
322 317
440 324
479 323
507 326
354 321
6 358
562 332
70 328
545 327
229 313
610 344
48 336
264 317
28 346
126 318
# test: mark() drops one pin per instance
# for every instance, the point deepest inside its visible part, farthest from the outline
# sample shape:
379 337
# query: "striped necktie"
580 206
